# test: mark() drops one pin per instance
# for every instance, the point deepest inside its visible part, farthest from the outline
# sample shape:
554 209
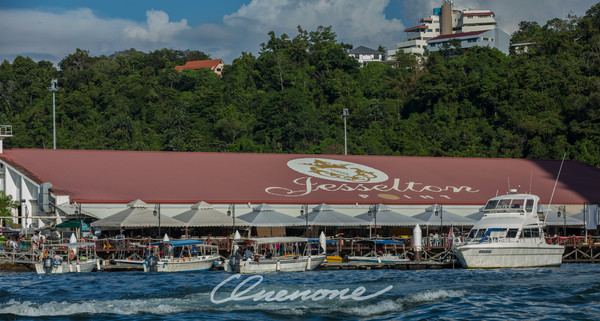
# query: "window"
376 56
472 40
479 233
491 205
517 203
472 233
512 232
357 56
486 39
437 29
529 205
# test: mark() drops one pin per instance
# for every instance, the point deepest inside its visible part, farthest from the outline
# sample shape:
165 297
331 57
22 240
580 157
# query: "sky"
51 30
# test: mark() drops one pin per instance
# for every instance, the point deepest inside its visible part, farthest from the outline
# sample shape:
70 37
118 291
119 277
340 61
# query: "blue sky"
50 30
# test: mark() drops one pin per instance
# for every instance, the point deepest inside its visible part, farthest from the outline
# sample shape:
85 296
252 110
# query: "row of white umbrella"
140 215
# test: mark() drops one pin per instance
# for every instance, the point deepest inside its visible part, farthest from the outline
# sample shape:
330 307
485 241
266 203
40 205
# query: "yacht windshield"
491 205
512 233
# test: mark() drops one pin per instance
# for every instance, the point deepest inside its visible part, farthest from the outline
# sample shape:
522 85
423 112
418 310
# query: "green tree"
7 205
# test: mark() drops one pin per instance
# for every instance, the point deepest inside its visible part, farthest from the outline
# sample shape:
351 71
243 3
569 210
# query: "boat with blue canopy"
180 256
378 251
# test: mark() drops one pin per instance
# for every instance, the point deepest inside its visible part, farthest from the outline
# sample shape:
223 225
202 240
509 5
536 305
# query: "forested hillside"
289 99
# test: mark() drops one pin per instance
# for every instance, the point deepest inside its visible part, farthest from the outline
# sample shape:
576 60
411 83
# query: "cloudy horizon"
55 30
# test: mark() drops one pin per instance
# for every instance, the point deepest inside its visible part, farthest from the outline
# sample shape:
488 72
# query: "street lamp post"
53 88
373 211
156 212
440 211
304 212
231 212
562 210
345 115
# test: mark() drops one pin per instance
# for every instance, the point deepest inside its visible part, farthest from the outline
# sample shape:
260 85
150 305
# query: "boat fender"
308 263
278 266
346 259
48 264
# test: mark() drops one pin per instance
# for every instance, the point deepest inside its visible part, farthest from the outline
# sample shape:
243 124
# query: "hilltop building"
216 65
446 24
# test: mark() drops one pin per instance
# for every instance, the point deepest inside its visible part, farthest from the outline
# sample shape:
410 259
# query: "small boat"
378 251
274 254
78 257
509 234
181 256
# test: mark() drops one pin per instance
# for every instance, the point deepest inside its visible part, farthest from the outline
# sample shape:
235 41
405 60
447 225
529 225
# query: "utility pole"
54 88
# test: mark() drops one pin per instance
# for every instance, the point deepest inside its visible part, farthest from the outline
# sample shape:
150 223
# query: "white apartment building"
476 20
463 21
416 37
494 38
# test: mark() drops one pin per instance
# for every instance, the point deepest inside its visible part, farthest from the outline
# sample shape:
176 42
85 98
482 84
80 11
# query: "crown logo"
340 171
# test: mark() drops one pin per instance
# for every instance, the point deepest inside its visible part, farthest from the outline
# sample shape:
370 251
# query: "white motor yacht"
510 234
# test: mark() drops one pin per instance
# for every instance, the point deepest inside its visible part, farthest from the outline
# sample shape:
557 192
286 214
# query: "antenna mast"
555 182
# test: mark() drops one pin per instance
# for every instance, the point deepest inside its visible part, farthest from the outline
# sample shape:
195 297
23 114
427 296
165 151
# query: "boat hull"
68 267
301 264
184 265
509 255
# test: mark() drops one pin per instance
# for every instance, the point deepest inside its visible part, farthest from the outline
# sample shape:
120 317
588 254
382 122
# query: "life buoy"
45 253
71 254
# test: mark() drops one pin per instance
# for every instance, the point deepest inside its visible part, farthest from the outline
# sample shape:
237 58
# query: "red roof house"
215 65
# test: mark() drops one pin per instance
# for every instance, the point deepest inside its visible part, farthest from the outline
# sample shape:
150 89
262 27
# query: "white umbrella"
166 238
446 218
323 241
325 215
387 217
73 239
265 215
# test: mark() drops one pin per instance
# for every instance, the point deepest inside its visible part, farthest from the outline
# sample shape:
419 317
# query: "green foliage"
6 205
289 98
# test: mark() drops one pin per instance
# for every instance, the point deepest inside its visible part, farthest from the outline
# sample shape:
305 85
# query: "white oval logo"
337 170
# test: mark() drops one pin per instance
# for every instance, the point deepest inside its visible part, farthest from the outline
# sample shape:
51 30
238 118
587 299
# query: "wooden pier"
436 254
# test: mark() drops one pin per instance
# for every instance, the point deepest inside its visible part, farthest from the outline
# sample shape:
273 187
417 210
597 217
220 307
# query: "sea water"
571 291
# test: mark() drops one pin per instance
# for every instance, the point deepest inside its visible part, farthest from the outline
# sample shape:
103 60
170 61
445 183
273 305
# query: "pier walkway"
436 252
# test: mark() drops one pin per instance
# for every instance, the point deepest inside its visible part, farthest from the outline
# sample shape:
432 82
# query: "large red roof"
415 28
459 35
91 176
212 64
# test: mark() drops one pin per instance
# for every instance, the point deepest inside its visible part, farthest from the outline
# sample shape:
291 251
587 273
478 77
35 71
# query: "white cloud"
158 28
354 22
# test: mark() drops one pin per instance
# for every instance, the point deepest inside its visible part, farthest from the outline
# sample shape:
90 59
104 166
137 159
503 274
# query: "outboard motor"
152 263
48 264
234 263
